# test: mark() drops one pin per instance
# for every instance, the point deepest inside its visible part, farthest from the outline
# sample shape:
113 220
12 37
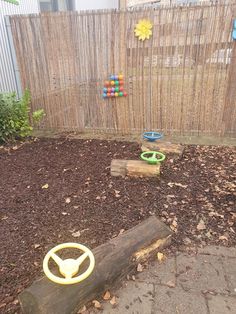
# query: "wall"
96 4
7 78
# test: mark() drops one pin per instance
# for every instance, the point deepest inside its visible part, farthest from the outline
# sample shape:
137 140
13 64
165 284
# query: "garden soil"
60 190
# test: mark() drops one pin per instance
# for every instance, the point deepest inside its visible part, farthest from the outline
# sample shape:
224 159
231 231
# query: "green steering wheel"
152 159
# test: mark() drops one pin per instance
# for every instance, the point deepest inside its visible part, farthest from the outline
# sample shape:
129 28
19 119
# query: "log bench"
134 168
163 147
113 261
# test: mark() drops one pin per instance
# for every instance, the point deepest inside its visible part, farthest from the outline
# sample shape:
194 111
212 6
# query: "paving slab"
177 301
134 298
229 265
218 250
160 273
221 305
201 273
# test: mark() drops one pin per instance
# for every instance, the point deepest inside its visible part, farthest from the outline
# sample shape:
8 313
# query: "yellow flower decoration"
143 29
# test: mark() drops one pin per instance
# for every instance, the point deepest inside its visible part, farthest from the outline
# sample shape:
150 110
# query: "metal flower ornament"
143 30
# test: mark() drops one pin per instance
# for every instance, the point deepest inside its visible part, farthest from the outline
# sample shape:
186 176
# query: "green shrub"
15 118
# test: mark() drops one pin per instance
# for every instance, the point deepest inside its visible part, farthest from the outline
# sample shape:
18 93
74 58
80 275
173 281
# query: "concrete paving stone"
221 304
177 301
218 250
135 298
229 265
201 273
160 273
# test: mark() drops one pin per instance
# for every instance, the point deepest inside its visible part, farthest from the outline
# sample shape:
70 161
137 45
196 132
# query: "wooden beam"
133 168
114 260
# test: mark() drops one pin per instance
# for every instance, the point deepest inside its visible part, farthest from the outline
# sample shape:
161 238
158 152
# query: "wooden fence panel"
178 81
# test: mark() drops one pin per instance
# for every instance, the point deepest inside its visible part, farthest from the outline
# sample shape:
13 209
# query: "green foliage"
14 116
38 116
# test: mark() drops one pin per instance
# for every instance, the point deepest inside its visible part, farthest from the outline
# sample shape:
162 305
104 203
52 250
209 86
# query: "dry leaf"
214 214
174 223
76 234
68 200
223 238
121 231
170 284
113 301
201 225
97 304
82 310
160 257
46 186
139 268
117 193
36 246
107 295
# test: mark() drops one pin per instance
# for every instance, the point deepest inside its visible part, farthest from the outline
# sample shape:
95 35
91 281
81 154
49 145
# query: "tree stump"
113 261
134 168
163 147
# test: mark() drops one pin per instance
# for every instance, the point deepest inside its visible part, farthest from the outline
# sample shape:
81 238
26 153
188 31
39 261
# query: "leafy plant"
15 118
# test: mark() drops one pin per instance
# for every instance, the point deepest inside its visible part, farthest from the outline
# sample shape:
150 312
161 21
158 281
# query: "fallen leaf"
117 193
36 246
107 295
68 200
113 301
223 238
214 214
139 268
201 225
170 284
46 186
76 234
82 310
97 304
160 257
121 231
171 184
174 223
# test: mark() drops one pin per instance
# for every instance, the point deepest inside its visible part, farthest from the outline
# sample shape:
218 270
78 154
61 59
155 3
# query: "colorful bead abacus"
114 87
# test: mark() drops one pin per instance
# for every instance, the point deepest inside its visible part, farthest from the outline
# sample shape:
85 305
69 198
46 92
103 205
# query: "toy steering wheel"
68 267
152 159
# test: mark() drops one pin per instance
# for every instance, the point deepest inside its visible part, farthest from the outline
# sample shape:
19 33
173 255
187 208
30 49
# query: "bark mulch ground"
60 190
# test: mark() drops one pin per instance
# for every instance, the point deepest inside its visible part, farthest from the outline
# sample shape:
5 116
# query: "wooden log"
163 147
134 168
114 260
118 167
140 168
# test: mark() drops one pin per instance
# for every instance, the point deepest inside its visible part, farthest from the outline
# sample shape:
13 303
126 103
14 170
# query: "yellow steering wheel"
68 267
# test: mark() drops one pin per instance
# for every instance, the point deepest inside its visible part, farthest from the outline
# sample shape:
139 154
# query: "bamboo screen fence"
181 81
